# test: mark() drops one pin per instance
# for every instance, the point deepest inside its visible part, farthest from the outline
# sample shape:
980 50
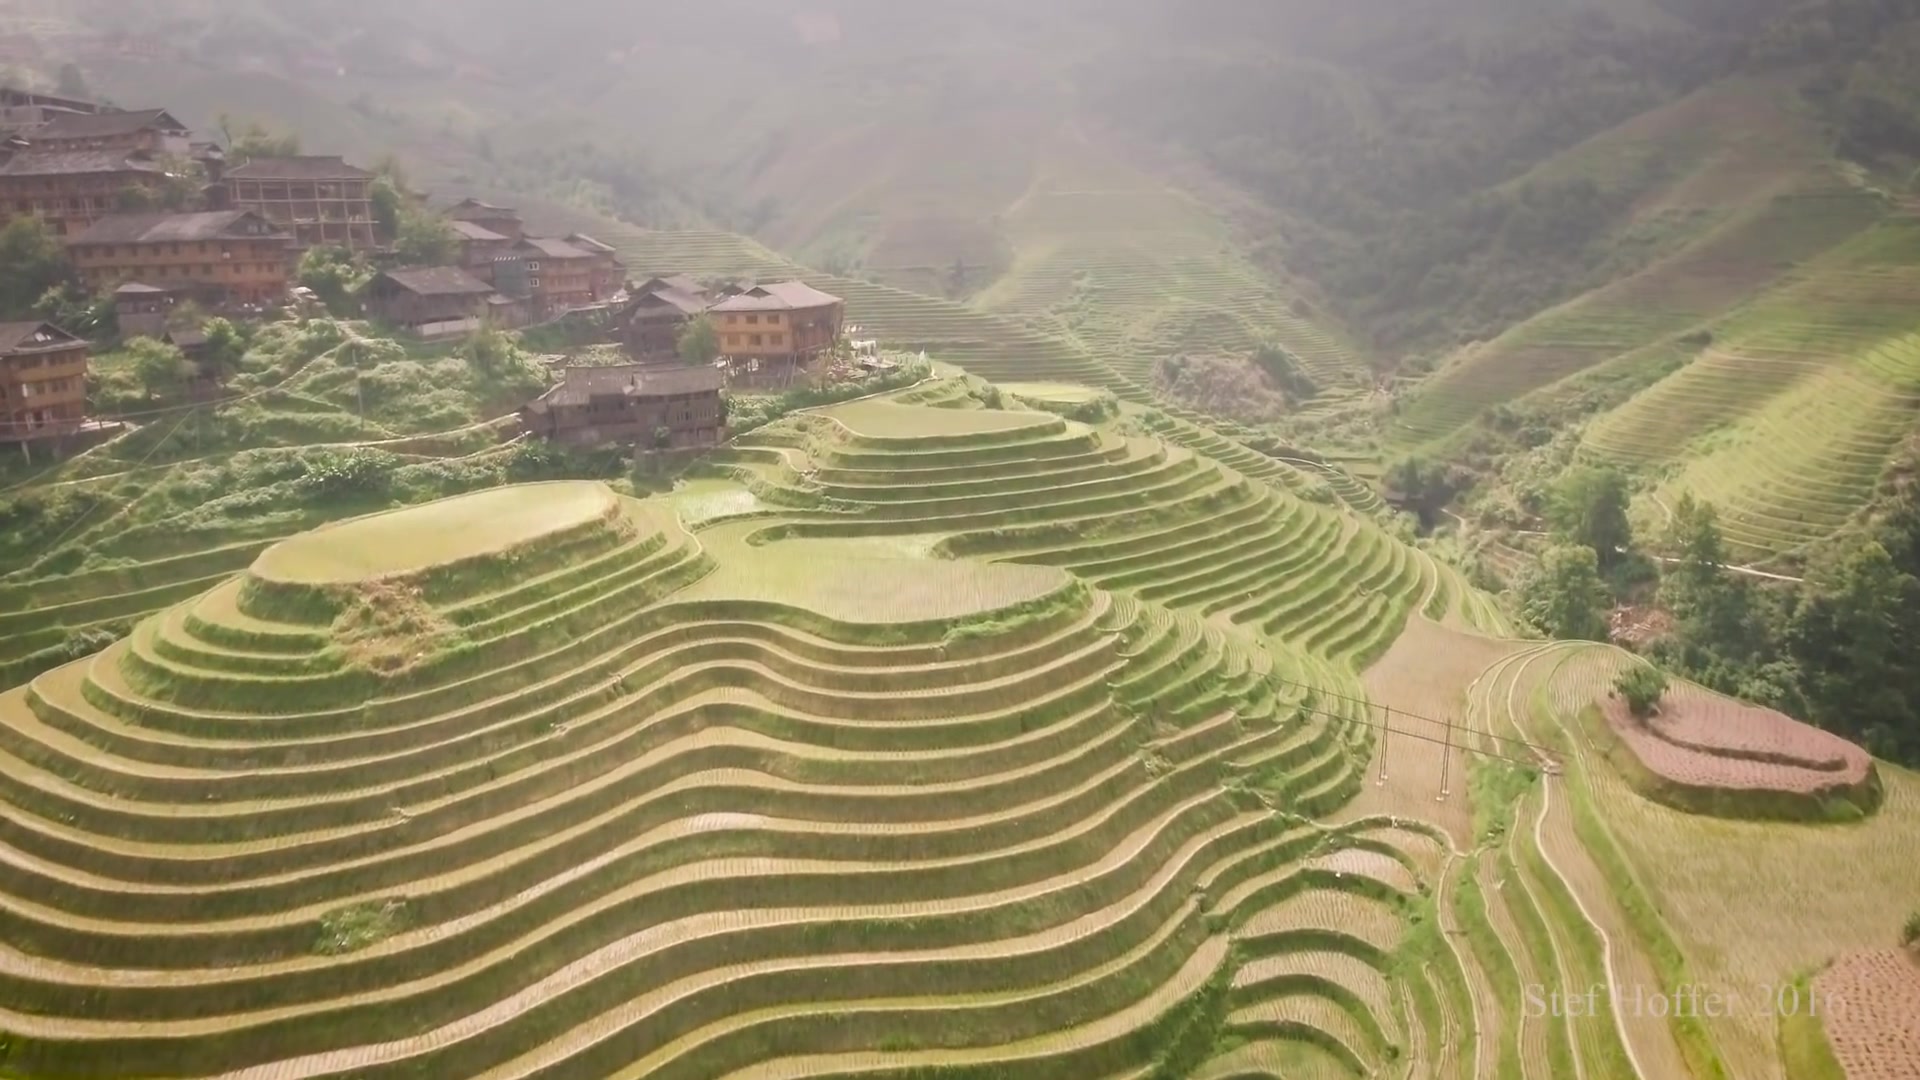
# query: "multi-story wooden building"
433 301
608 272
633 405
322 201
784 322
553 275
502 220
480 248
43 382
72 189
221 257
149 132
656 314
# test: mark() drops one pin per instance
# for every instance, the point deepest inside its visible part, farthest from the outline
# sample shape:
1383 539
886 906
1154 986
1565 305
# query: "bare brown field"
1422 679
1871 1006
1703 741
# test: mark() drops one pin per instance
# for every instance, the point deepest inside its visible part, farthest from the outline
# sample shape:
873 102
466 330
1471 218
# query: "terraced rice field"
1137 271
1689 290
915 739
544 781
1788 421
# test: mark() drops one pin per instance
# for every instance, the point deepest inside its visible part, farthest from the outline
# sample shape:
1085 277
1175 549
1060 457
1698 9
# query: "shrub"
351 929
84 642
356 471
1910 933
1642 686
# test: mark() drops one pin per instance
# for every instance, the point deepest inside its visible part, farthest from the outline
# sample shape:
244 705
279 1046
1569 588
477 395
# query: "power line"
88 512
1448 743
1391 711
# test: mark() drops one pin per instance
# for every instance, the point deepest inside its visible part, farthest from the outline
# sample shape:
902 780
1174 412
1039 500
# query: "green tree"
1424 487
1589 507
489 351
182 186
76 311
1719 634
255 141
71 82
220 356
159 366
1564 597
336 276
385 196
1642 686
1854 636
699 342
425 239
31 262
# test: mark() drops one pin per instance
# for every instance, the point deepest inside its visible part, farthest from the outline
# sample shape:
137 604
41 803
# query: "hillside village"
159 232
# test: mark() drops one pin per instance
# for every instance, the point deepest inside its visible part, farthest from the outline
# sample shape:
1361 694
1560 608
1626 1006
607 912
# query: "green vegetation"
31 264
699 343
336 276
244 142
350 929
1564 596
1589 508
1910 933
1641 687
1805 1052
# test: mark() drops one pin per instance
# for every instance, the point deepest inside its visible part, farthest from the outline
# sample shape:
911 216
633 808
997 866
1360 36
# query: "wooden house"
432 302
225 258
786 322
631 405
43 382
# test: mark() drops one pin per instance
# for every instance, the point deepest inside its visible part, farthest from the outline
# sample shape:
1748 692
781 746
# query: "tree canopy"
31 262
1564 597
699 342
256 141
160 367
1589 507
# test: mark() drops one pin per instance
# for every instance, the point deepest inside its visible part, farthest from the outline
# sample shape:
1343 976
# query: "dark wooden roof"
579 385
31 337
72 162
589 244
470 231
778 296
683 302
177 228
477 208
550 248
436 281
298 168
106 124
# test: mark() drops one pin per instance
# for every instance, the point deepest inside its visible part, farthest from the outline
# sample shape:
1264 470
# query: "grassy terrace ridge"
1683 293
1787 421
752 778
470 527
